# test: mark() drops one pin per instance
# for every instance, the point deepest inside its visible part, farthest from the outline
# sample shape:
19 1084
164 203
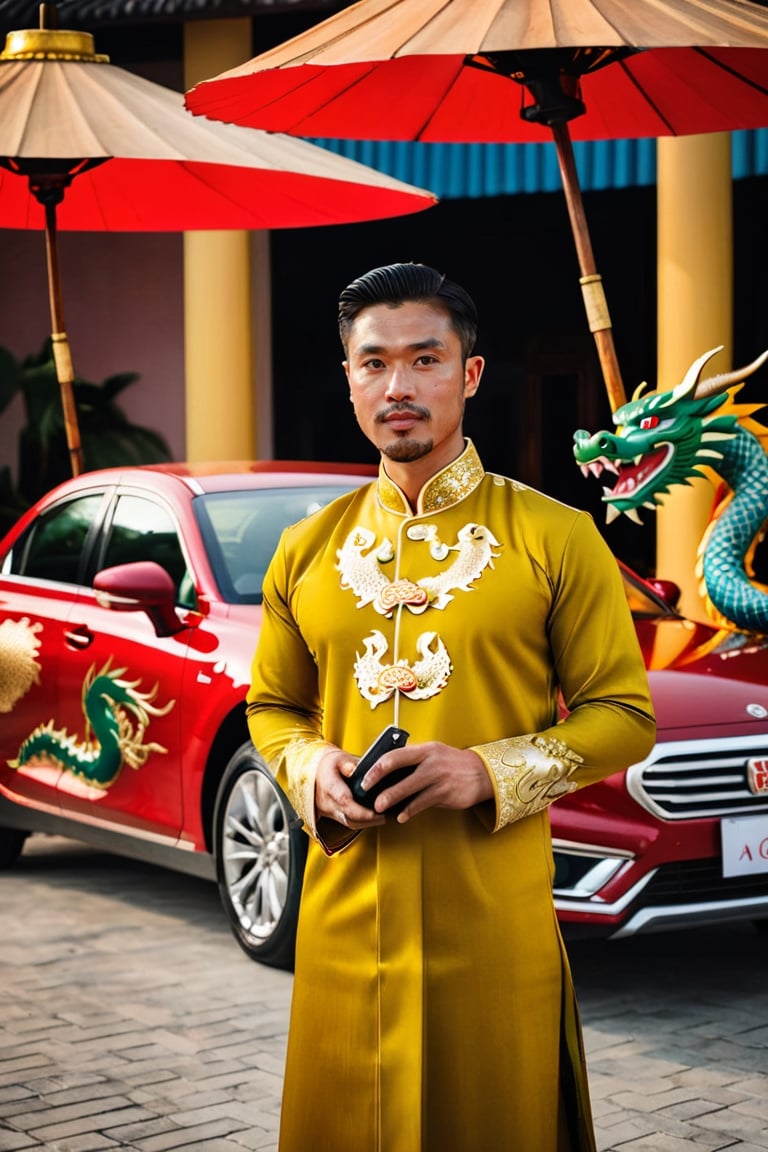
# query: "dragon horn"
719 383
689 383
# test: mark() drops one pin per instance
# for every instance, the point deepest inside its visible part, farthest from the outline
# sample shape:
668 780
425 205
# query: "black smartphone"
391 737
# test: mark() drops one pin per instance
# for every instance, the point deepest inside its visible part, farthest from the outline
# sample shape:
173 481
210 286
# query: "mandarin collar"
446 488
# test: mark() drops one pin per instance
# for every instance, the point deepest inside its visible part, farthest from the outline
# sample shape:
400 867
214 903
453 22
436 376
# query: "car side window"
54 546
143 530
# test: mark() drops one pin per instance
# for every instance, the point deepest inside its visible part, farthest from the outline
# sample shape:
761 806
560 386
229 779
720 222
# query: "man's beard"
406 451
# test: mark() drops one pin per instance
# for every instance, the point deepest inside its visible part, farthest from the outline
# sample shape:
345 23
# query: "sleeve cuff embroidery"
301 758
528 773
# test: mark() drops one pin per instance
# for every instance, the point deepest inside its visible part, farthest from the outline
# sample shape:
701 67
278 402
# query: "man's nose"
399 385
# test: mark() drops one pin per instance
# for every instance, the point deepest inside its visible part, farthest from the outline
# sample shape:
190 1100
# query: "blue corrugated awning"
454 171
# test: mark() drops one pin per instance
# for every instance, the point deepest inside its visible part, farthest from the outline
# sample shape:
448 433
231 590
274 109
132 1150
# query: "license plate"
745 845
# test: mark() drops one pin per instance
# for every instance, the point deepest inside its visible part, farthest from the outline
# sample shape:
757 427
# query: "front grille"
699 881
692 779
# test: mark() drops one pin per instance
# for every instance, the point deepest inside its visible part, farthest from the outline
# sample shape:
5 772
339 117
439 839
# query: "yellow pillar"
695 314
218 352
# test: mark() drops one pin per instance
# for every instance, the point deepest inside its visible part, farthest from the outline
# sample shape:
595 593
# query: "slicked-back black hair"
395 284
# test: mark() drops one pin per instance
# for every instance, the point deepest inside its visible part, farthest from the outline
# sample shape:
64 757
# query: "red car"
681 838
129 612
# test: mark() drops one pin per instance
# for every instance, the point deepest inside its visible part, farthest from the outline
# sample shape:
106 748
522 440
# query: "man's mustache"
397 409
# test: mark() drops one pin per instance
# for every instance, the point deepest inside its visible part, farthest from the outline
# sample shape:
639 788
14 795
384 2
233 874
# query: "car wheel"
260 852
11 844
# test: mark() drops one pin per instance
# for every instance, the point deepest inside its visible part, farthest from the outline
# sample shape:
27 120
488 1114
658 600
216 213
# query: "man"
433 1008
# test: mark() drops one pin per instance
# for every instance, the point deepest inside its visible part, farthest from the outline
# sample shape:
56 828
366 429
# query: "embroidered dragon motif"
359 564
118 716
426 677
665 438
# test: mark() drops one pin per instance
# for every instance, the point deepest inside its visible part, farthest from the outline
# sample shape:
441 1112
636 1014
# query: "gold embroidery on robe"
529 772
301 760
455 482
359 560
378 681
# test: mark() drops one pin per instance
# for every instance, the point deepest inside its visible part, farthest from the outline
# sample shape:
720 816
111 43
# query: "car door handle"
80 637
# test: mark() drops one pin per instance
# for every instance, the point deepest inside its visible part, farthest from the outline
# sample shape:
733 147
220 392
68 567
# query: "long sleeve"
610 722
282 704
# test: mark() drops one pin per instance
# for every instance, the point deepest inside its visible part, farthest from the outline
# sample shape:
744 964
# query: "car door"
39 585
120 686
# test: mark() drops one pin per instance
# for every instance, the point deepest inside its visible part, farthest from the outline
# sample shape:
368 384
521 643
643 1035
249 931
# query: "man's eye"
427 358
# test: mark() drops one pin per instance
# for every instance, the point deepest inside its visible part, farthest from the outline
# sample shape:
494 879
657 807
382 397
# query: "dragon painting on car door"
115 712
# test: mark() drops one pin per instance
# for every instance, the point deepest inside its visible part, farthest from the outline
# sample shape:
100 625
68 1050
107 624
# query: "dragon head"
661 438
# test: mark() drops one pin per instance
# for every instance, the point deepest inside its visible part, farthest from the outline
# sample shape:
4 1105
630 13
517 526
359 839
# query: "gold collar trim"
445 488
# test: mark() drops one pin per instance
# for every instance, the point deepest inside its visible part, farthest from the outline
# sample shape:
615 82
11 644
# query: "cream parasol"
98 148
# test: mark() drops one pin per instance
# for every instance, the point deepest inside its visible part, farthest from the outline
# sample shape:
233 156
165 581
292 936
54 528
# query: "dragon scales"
665 438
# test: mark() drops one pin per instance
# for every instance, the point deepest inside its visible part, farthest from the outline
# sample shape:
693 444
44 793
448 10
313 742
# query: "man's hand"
444 777
333 798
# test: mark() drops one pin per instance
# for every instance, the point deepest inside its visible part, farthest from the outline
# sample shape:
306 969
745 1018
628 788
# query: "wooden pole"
62 357
591 282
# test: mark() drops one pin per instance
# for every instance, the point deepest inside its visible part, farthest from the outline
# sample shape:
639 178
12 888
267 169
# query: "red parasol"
103 149
512 71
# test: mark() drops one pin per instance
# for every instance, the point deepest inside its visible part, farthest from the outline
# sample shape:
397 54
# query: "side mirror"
667 590
143 586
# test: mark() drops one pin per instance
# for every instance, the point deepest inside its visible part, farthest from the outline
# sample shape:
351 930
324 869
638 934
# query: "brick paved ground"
129 1018
676 1029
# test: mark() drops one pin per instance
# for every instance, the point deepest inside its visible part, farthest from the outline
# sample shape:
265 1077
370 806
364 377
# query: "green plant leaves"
108 438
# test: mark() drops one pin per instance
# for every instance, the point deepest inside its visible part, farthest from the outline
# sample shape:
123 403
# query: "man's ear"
473 370
345 366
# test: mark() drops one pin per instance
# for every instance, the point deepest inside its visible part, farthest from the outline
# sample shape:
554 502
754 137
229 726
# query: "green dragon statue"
117 715
665 438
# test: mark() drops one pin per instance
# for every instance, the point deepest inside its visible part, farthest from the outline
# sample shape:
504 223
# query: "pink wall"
123 307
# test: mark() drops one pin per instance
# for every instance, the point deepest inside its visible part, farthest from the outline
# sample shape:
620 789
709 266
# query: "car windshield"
241 530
